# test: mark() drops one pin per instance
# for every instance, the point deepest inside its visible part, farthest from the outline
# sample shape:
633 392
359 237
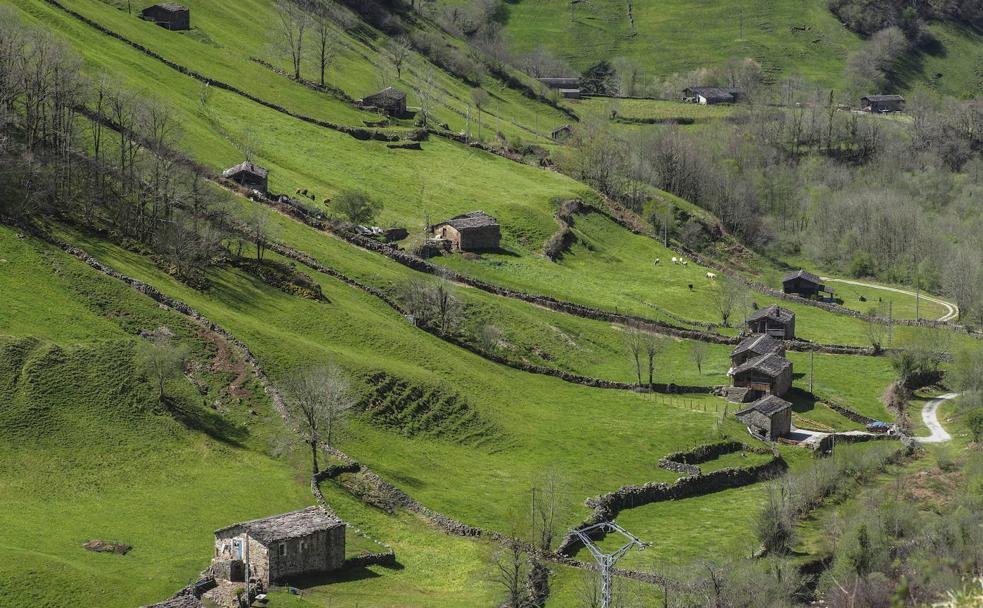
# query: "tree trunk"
314 466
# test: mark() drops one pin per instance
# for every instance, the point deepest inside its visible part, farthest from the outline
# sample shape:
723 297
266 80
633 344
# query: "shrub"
357 206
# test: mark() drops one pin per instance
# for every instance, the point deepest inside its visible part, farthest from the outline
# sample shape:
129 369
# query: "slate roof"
388 93
295 524
760 344
475 219
170 7
561 83
883 98
561 129
247 167
716 93
768 405
802 274
771 365
775 312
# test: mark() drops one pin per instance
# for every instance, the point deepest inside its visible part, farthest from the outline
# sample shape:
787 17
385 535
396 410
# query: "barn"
712 95
771 374
769 417
802 283
755 346
774 320
390 100
561 133
249 175
168 15
882 103
280 547
569 88
475 231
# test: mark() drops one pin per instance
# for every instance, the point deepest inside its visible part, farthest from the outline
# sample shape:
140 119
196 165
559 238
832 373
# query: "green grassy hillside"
789 38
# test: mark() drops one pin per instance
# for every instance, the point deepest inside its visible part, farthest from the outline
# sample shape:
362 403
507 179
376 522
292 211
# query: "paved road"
951 310
931 420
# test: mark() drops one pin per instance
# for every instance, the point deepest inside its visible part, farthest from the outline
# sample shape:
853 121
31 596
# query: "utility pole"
606 561
890 321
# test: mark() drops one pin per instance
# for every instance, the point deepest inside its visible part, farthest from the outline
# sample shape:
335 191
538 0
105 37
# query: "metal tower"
606 561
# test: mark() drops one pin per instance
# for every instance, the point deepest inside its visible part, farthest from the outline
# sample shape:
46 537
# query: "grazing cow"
691 287
675 260
863 299
327 201
296 190
657 260
711 276
685 262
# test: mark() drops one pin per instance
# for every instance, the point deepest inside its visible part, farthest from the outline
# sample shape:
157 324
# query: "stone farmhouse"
712 95
774 320
475 231
770 374
280 547
561 133
769 417
569 88
755 346
168 15
249 175
803 283
882 103
390 100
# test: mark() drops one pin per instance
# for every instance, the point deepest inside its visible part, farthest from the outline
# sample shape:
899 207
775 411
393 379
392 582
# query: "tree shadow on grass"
199 419
802 401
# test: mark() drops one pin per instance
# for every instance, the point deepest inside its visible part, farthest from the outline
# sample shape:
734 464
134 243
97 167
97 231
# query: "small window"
303 545
283 549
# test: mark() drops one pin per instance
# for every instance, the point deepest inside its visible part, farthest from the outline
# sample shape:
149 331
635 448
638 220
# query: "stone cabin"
168 15
475 231
769 417
561 133
774 320
569 88
771 374
802 283
755 346
390 100
712 95
249 175
280 547
882 103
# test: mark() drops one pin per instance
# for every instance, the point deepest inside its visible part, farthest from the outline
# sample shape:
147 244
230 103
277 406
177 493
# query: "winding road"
952 312
931 420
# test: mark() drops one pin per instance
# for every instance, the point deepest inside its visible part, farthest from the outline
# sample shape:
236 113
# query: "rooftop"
760 344
714 92
474 219
286 525
772 365
775 312
390 93
767 405
802 274
883 98
247 167
171 6
564 82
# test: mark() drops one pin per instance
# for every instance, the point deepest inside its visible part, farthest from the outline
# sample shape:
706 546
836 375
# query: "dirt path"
951 310
931 420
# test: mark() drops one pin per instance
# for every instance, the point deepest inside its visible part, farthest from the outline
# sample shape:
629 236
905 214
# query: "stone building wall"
321 551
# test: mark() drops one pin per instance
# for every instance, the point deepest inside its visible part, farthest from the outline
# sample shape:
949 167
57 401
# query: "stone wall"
607 507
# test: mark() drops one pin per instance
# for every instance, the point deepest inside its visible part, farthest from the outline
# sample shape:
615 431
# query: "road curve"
951 310
931 420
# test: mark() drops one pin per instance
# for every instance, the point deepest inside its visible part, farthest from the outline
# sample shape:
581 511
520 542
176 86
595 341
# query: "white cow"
711 276
657 260
684 262
675 260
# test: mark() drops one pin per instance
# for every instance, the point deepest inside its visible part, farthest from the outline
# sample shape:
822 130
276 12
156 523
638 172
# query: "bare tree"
432 304
398 50
731 296
293 20
160 359
319 400
258 231
875 330
479 97
697 354
326 42
512 565
635 344
652 345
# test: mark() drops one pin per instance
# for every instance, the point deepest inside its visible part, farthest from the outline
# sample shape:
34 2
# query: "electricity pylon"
606 561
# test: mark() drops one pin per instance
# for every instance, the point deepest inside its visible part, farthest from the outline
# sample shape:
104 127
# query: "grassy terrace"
541 427
226 34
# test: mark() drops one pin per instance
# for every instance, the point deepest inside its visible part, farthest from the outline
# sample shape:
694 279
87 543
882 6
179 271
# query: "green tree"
357 206
160 359
599 79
